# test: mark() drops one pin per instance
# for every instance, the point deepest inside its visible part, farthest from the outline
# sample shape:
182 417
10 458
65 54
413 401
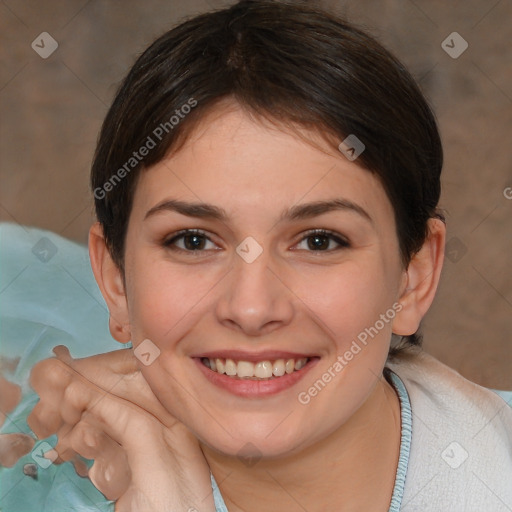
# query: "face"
262 284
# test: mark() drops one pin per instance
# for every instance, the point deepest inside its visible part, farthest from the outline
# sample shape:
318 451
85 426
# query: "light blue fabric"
220 506
405 442
48 296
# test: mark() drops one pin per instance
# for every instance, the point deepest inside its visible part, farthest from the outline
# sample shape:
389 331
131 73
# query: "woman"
266 184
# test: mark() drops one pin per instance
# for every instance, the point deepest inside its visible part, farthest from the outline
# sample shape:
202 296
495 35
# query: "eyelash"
169 243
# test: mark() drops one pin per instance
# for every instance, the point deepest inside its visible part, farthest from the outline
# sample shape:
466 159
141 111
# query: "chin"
250 443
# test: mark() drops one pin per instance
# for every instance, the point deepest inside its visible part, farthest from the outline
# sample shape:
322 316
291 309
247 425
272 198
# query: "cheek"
354 306
164 299
349 298
349 306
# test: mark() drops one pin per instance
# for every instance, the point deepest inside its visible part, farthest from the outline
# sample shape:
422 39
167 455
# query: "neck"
352 469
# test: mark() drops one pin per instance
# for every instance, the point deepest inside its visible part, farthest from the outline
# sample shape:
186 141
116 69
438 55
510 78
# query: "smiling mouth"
260 370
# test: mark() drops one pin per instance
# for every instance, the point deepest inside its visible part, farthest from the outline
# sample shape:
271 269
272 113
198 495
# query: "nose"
255 298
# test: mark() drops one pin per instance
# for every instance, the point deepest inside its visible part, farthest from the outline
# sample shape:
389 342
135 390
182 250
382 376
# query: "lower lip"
248 388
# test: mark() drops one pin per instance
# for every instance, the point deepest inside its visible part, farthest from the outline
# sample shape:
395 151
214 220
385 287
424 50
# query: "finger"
62 402
110 472
111 477
62 450
59 387
119 374
121 362
50 375
49 378
77 397
44 420
116 372
98 375
120 419
80 466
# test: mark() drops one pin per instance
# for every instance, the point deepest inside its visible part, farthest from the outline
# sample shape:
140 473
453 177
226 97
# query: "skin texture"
102 408
291 298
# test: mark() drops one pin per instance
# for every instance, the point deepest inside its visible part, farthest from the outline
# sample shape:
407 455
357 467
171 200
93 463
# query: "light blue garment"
48 296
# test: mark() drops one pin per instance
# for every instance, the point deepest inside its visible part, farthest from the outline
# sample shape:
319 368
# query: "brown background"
52 109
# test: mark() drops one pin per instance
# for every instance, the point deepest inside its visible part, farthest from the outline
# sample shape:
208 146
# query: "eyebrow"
297 212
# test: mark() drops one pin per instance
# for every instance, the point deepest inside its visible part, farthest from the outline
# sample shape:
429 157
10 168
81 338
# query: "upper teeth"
261 369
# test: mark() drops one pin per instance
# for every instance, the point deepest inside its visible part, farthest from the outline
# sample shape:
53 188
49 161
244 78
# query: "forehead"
250 167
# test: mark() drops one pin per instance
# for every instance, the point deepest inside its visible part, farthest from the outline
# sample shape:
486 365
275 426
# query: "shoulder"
461 447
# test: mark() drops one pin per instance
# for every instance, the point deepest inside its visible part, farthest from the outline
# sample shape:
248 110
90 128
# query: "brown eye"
193 241
319 240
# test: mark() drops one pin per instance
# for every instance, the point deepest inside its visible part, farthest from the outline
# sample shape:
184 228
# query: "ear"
421 280
109 279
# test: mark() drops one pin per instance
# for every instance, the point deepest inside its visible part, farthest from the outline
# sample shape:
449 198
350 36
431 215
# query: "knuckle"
49 374
41 422
74 402
75 394
84 436
38 373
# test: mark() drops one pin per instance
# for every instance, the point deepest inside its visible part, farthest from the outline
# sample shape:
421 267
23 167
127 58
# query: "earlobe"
110 281
421 280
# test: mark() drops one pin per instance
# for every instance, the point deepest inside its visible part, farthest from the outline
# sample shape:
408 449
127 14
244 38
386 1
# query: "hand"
102 408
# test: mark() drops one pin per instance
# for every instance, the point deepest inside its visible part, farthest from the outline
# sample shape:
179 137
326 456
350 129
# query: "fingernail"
89 439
